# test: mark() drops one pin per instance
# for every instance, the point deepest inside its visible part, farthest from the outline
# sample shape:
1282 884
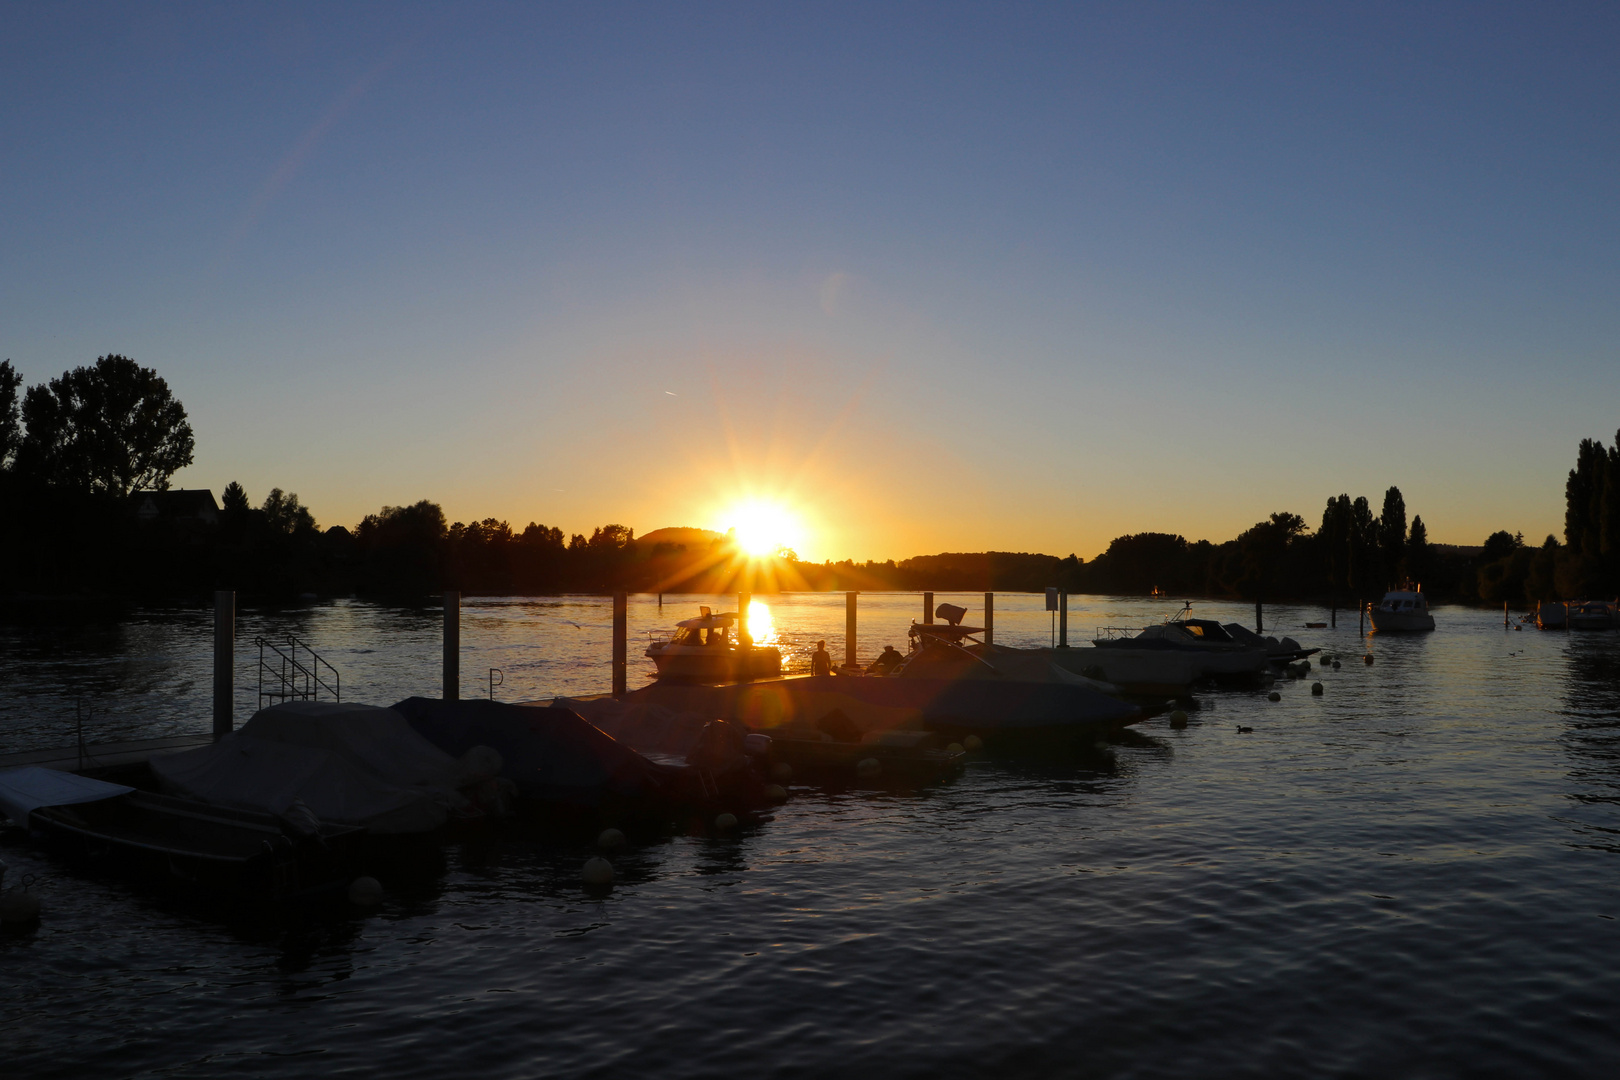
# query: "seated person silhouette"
887 661
820 662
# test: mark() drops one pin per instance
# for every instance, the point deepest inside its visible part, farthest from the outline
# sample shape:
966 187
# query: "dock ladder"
294 672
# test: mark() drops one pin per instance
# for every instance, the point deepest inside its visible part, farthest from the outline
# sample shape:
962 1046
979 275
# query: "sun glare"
763 528
760 626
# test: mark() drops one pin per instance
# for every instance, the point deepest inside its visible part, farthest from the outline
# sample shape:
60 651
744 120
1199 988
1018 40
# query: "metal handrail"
293 679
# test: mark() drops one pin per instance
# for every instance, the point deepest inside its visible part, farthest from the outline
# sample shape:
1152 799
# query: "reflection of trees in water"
1592 736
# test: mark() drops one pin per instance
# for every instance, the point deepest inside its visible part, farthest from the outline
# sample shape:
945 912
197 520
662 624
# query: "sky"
924 277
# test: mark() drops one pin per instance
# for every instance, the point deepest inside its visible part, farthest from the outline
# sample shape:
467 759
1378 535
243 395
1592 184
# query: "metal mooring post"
452 645
1063 620
621 652
849 629
224 661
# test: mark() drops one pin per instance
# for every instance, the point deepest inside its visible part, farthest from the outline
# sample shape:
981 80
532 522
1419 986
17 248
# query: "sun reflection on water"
760 625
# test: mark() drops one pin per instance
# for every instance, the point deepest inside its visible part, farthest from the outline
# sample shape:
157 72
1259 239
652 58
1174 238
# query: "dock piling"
621 625
989 618
1259 619
849 629
224 662
744 601
928 607
1063 619
452 645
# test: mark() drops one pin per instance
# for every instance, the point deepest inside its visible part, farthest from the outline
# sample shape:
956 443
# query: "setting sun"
764 528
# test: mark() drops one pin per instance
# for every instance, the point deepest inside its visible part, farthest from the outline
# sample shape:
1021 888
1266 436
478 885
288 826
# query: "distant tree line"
86 460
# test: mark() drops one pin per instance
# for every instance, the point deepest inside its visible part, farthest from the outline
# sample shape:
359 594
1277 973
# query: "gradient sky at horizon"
939 277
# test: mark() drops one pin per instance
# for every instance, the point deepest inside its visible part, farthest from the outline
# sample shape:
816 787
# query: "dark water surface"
1417 874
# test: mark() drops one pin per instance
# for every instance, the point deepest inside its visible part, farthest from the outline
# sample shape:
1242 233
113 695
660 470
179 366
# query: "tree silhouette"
234 499
112 428
10 427
1392 533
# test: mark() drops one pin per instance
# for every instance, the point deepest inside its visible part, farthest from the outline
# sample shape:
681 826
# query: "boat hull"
198 847
702 664
1401 621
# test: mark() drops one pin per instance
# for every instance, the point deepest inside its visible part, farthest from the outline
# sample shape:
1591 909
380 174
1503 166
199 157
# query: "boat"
1402 610
613 762
705 650
1205 647
349 763
203 848
1281 652
1552 615
1594 615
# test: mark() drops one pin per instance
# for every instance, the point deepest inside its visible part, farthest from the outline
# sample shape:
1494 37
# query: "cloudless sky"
937 277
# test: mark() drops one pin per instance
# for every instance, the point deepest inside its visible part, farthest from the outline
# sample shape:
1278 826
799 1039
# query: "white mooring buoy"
610 840
1178 719
597 871
365 892
973 744
867 768
726 822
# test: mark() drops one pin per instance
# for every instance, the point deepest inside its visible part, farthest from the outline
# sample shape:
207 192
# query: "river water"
1415 874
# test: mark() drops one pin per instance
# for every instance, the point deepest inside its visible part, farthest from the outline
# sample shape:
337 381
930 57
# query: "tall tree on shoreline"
10 417
110 429
1392 534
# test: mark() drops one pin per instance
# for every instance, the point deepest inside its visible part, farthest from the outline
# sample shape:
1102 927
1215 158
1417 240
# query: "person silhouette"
820 661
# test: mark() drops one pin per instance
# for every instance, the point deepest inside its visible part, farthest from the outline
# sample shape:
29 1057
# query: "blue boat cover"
552 755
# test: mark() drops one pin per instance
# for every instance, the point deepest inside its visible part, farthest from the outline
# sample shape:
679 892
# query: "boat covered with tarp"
202 848
953 706
559 760
352 764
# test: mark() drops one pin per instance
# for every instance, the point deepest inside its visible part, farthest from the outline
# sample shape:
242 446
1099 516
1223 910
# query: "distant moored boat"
1402 609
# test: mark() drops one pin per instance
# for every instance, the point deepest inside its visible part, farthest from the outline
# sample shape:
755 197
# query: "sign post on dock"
989 618
621 652
849 629
452 645
224 661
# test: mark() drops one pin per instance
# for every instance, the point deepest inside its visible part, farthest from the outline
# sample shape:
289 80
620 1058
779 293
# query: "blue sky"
936 277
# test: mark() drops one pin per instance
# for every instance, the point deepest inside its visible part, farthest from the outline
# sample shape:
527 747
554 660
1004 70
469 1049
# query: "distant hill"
681 536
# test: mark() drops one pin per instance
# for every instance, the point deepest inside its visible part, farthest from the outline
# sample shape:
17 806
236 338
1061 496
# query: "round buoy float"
1274 696
365 892
955 748
18 906
781 772
868 768
1305 664
610 840
1367 659
776 793
1316 689
1336 665
1178 719
725 822
597 871
973 744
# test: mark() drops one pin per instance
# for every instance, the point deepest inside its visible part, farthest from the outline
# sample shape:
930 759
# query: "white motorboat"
706 649
1212 651
1402 610
1593 615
